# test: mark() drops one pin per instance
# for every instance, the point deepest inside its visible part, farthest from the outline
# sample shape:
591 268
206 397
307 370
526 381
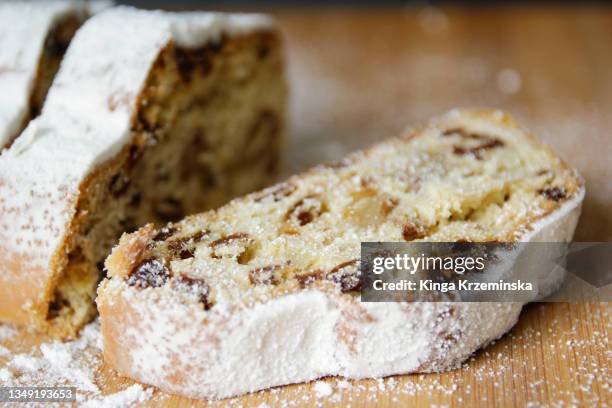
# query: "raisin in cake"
151 116
33 39
265 290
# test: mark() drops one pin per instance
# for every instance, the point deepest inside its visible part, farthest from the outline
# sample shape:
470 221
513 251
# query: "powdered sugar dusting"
322 389
485 376
23 29
75 364
134 394
6 332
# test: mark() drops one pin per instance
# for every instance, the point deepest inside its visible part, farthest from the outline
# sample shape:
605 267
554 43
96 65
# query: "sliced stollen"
151 116
33 39
265 290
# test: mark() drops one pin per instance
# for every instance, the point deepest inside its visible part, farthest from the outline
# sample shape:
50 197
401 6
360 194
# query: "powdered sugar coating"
298 338
85 121
23 29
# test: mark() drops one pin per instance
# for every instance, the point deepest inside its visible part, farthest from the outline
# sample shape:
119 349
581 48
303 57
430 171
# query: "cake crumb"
129 397
322 389
7 332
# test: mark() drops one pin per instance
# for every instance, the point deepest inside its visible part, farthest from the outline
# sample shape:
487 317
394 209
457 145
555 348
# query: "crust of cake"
160 339
36 298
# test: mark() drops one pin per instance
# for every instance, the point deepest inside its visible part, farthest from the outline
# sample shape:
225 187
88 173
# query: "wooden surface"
361 76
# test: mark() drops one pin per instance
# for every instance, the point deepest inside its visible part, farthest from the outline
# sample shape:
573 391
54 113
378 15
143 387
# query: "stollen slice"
264 291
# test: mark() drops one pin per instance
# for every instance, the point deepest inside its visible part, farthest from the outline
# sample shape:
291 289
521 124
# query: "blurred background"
363 71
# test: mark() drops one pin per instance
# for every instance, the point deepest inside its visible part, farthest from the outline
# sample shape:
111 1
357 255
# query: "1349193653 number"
37 394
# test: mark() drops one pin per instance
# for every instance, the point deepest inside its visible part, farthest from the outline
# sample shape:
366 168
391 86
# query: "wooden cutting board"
359 76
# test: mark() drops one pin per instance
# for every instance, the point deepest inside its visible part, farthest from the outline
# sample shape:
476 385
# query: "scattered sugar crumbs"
74 363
